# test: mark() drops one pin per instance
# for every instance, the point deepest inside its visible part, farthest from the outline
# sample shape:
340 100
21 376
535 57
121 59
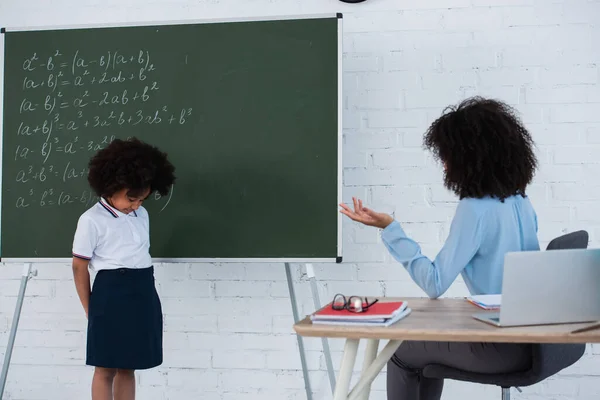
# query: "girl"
489 160
124 331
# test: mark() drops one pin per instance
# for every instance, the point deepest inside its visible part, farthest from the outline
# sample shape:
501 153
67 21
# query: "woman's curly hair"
485 148
130 164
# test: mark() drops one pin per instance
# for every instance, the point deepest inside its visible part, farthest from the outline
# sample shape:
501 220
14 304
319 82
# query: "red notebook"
379 310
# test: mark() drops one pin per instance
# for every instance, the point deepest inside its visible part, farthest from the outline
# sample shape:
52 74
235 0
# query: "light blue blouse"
482 232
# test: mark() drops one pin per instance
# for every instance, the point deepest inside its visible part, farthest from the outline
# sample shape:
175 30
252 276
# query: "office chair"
547 359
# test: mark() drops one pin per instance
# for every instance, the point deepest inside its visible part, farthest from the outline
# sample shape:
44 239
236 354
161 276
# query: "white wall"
404 61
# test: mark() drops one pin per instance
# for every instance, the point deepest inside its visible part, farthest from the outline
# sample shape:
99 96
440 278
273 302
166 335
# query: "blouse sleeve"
435 277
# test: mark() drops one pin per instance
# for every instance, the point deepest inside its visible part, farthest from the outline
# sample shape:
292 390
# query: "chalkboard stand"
310 273
28 273
290 283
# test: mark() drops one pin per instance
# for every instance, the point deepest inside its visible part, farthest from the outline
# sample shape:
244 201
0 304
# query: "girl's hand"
366 216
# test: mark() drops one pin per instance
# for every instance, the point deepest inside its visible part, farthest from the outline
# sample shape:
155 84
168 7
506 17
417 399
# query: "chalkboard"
249 112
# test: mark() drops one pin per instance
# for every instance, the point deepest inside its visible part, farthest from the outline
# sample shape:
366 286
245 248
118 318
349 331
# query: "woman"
489 160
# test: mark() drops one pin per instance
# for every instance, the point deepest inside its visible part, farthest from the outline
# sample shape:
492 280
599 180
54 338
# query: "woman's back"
505 226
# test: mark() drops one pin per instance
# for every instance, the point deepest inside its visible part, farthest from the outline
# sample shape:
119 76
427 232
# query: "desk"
447 320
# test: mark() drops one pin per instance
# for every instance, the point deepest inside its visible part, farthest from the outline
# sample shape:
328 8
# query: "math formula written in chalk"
77 102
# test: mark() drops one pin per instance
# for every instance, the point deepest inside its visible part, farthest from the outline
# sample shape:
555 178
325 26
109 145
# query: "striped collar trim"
113 211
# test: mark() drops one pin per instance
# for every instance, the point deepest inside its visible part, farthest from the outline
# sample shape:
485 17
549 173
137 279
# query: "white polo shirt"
110 239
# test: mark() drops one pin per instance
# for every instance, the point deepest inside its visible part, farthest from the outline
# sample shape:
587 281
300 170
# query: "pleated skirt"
125 322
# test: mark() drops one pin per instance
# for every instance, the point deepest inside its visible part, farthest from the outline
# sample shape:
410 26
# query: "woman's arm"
435 277
81 276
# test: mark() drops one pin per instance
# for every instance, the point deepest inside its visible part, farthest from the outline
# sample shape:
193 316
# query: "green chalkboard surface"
248 111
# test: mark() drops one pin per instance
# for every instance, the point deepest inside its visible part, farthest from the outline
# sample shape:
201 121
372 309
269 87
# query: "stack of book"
379 314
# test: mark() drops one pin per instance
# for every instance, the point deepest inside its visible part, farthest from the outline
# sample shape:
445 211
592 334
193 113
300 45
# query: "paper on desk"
486 301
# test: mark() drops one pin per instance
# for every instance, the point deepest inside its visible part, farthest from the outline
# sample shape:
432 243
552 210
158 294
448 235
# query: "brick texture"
228 333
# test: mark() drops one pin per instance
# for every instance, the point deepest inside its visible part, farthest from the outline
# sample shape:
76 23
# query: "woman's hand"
366 216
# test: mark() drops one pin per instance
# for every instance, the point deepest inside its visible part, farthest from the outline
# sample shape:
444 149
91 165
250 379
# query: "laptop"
548 287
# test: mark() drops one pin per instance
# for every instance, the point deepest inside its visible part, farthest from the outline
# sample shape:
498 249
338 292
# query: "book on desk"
379 314
486 301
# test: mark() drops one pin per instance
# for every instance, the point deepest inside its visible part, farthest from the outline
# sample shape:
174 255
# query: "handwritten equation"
73 105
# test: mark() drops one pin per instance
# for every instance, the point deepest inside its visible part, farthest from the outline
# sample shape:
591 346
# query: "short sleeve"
86 238
143 213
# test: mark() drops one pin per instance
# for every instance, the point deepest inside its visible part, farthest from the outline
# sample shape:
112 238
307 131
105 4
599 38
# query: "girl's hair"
130 164
485 148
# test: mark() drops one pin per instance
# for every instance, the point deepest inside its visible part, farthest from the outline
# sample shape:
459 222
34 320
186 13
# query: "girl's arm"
81 276
84 243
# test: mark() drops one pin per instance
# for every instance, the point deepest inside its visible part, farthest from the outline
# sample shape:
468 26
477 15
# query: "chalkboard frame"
338 16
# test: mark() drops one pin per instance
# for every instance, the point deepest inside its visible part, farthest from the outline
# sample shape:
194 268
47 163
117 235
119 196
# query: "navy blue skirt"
125 323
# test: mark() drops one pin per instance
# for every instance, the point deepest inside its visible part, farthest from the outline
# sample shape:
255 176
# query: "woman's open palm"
366 216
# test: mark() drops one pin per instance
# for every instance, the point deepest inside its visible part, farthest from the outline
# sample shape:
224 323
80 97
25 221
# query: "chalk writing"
74 104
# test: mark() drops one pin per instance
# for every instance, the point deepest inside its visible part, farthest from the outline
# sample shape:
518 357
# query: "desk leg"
370 355
370 373
348 359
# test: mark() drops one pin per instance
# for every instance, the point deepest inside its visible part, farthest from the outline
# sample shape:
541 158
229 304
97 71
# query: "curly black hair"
485 148
130 164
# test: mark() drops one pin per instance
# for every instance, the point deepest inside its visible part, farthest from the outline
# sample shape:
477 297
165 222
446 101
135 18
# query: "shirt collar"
113 211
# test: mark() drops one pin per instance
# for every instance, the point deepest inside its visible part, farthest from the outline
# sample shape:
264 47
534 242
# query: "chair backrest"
573 240
551 358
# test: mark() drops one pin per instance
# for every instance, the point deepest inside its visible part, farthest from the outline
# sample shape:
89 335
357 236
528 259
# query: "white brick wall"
404 61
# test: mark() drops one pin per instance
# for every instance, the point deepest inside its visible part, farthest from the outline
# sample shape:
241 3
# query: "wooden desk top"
450 320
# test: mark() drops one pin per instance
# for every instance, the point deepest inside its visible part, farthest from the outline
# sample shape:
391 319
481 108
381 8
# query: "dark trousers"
404 379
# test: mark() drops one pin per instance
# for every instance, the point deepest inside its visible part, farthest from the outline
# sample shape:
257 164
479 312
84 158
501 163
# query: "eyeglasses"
352 304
